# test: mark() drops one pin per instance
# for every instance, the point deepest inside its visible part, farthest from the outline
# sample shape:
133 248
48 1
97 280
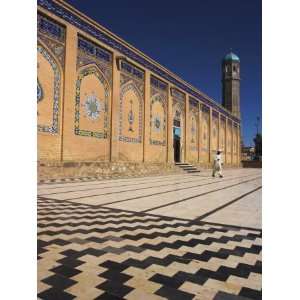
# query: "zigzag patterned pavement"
165 237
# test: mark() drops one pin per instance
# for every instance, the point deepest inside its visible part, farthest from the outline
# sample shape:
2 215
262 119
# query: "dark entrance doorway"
176 143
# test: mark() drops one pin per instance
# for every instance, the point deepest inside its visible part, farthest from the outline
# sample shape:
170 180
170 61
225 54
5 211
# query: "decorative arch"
177 107
194 127
215 133
100 73
229 139
57 83
94 107
205 131
123 134
178 113
158 122
222 135
235 140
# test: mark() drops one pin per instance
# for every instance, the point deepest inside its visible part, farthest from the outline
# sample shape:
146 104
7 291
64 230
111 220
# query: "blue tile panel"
100 135
132 70
73 19
158 83
93 50
177 94
159 93
50 27
122 133
53 129
215 114
204 108
131 78
193 102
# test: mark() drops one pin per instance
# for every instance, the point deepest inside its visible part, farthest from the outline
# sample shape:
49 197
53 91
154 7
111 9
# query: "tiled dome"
231 56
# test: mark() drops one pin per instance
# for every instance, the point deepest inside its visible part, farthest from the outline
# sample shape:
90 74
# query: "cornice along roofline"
74 17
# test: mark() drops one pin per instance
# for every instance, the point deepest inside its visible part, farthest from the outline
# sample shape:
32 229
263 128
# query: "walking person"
217 166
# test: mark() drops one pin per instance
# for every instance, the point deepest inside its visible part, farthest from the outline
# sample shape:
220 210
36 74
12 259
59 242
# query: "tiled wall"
95 104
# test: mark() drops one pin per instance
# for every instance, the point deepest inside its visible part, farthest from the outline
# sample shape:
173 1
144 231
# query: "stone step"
187 167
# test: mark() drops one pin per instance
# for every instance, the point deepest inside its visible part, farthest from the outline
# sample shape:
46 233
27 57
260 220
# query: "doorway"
177 143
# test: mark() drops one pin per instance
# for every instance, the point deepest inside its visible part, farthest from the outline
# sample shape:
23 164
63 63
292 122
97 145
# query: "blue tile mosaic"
193 102
50 27
205 131
52 35
132 70
77 130
194 128
205 108
159 96
75 20
125 87
94 50
158 83
215 114
40 93
177 94
53 129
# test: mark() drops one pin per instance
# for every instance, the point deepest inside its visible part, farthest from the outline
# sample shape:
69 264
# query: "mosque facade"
101 100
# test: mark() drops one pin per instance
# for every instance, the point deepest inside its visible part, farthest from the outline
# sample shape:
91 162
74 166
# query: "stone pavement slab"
163 237
245 212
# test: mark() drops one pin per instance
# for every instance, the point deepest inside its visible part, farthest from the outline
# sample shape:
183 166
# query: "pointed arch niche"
193 129
204 131
49 99
50 80
49 83
91 103
158 119
131 112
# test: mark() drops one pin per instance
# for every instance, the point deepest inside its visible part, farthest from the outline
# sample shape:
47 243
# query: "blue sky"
190 38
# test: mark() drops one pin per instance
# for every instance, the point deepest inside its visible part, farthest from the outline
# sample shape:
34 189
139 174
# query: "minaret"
231 83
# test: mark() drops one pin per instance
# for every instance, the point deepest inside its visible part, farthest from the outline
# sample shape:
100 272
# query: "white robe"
217 167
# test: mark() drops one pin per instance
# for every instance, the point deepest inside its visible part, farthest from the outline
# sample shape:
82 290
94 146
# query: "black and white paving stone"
165 237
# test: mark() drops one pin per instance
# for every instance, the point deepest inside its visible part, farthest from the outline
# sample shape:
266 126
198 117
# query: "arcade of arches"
101 100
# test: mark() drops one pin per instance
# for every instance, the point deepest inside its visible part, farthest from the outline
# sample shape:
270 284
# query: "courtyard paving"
183 236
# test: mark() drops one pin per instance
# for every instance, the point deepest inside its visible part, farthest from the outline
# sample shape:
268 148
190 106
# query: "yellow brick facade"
97 104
